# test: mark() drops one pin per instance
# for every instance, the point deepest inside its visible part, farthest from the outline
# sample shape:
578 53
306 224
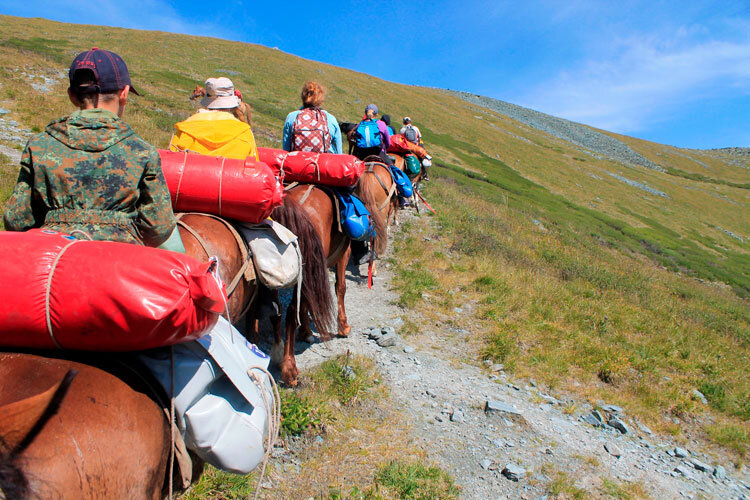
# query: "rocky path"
503 439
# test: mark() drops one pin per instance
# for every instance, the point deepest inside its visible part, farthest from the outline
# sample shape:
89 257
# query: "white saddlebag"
275 252
223 396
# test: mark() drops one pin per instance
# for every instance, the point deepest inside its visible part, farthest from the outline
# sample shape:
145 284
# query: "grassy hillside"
612 280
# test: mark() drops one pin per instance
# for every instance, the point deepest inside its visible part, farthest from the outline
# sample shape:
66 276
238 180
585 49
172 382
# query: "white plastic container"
220 410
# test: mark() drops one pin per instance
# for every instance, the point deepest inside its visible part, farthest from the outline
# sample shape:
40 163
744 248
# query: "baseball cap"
109 69
371 107
220 94
407 119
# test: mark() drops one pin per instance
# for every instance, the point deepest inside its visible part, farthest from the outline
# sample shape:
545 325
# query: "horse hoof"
344 332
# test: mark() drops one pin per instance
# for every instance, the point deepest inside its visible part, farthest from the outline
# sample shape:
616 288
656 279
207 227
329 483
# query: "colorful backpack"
355 218
368 134
412 165
310 131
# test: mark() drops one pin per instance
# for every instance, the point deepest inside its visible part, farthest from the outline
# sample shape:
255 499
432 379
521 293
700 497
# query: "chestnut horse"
73 431
205 236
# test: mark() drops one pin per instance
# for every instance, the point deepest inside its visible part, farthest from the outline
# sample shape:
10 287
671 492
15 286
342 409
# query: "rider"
411 132
312 128
372 136
387 120
214 130
89 171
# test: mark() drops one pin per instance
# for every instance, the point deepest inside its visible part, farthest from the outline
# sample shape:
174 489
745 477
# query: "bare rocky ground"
504 439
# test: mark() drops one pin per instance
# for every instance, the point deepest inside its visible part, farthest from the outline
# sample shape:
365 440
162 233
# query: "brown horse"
93 437
316 301
205 236
416 180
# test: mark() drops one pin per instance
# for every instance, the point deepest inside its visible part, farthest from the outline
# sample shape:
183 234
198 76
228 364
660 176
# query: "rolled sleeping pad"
244 190
58 292
399 144
315 168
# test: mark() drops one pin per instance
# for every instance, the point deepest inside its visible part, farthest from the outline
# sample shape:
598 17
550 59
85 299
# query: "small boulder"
486 463
612 408
699 396
612 449
387 340
680 452
458 416
513 472
491 406
617 424
720 473
700 465
408 349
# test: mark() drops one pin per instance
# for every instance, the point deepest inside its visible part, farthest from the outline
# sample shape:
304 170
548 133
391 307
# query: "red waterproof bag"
59 292
316 168
399 144
244 190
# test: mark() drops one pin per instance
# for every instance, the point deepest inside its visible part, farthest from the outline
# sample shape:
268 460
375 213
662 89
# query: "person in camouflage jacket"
89 171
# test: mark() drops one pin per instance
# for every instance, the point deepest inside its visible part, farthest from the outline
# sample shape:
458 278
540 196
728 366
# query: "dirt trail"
540 435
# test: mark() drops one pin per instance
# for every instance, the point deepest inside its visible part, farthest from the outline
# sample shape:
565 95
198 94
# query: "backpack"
355 218
411 134
368 134
310 131
412 165
403 184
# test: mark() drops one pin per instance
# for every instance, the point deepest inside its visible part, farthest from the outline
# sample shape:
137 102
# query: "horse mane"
316 299
368 186
13 482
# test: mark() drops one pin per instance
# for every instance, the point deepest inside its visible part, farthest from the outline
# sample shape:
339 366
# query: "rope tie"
179 182
49 291
273 414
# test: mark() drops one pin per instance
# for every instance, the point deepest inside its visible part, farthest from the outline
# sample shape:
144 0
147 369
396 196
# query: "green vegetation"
575 278
399 480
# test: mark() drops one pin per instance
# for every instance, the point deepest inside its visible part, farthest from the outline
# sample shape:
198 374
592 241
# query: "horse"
205 236
75 431
416 180
316 301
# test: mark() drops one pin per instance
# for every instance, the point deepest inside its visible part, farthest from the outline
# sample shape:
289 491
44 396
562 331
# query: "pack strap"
371 170
246 271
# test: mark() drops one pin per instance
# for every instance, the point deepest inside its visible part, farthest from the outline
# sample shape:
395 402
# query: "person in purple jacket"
372 136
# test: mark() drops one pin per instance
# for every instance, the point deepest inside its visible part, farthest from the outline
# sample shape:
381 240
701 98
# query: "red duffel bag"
244 190
316 168
59 292
399 144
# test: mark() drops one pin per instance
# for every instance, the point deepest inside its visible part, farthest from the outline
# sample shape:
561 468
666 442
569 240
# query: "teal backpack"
413 167
368 134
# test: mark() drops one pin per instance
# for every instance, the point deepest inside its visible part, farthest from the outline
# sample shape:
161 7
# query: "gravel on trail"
501 438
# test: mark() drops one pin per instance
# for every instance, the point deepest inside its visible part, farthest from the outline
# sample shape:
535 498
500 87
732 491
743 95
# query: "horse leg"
277 349
289 371
343 324
304 333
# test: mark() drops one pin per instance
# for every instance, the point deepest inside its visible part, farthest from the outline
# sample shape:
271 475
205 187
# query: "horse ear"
18 418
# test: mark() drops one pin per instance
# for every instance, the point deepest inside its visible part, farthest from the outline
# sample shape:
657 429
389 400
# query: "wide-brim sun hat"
220 94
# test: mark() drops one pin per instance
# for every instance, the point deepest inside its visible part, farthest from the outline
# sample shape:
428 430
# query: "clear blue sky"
672 72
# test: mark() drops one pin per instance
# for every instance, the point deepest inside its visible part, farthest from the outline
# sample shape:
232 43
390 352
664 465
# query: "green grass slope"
580 277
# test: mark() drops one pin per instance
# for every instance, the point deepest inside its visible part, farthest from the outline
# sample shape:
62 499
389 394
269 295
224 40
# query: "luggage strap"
247 271
371 170
315 162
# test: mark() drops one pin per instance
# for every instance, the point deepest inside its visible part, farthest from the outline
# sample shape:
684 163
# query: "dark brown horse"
90 438
316 302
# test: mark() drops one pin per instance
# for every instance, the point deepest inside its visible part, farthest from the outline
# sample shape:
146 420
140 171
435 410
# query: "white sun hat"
220 94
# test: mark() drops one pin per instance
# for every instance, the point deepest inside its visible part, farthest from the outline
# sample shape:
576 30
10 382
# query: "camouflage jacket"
89 171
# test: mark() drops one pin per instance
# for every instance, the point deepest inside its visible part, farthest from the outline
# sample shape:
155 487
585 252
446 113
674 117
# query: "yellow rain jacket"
215 133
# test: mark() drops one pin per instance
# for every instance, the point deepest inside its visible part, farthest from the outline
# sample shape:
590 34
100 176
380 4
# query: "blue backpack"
403 184
368 134
355 218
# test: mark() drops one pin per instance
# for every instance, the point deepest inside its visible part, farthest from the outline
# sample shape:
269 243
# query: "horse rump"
316 299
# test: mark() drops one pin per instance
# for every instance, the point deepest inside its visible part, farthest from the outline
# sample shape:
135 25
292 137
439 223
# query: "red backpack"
310 131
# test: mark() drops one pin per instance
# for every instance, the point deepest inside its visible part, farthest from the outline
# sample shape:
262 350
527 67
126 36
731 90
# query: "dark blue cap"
109 69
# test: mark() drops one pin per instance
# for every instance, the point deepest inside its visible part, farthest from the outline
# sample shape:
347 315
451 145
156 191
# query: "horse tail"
22 423
316 299
366 189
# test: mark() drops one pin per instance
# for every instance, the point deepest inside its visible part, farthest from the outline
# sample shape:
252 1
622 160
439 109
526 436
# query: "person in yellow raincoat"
213 130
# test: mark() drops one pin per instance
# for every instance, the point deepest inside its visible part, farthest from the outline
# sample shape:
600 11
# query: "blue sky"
672 72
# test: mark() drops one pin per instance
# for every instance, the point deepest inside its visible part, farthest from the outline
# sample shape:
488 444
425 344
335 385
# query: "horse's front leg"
289 371
343 324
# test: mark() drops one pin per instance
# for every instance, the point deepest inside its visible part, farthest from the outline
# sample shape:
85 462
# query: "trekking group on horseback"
88 175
